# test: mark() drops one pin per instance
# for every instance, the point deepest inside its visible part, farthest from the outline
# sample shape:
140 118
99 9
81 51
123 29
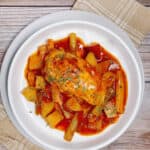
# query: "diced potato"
97 125
46 108
109 94
40 82
31 78
73 105
110 110
97 110
101 97
72 41
71 128
54 118
120 95
30 93
42 50
56 97
35 62
58 108
91 59
104 96
61 110
103 66
67 114
50 44
108 79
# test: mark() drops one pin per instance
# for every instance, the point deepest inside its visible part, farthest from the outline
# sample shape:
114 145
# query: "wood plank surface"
50 3
15 15
47 3
11 23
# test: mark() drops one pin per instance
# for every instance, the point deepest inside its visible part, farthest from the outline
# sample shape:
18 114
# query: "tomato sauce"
84 126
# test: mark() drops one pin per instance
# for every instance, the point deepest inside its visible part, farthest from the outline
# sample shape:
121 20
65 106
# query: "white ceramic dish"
91 28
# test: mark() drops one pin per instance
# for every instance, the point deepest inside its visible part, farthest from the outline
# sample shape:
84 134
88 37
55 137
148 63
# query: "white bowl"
90 28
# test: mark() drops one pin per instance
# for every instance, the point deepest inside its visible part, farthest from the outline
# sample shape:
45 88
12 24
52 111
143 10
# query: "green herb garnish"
60 56
65 79
51 79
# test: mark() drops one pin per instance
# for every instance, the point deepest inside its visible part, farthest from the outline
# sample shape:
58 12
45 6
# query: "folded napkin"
10 138
128 14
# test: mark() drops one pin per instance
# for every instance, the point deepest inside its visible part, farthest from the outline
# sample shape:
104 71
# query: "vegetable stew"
75 87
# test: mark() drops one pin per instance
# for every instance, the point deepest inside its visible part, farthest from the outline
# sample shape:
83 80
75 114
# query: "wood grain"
47 3
11 22
15 15
137 137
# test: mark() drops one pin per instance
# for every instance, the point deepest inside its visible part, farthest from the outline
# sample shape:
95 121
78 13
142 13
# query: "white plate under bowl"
96 29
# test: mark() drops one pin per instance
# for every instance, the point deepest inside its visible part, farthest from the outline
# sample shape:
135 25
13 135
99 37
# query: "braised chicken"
75 87
73 75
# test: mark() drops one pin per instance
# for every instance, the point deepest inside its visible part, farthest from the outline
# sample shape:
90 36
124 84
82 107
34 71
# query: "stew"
75 87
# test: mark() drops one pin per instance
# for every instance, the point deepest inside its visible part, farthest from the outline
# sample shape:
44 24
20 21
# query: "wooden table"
15 15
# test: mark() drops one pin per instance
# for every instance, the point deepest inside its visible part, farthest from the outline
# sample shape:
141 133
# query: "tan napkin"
10 138
128 14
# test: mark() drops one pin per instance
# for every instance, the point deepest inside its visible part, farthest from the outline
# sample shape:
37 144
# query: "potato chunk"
72 41
35 62
96 125
31 78
47 107
56 97
91 59
110 110
54 118
120 92
73 105
97 110
40 82
103 66
71 128
29 93
42 50
50 44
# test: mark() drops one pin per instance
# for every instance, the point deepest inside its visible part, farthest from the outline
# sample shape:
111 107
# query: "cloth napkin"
131 16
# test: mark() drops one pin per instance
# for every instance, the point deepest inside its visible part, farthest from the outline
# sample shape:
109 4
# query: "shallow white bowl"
90 28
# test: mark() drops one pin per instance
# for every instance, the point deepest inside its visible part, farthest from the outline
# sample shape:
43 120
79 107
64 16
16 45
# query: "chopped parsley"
64 79
51 79
60 56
